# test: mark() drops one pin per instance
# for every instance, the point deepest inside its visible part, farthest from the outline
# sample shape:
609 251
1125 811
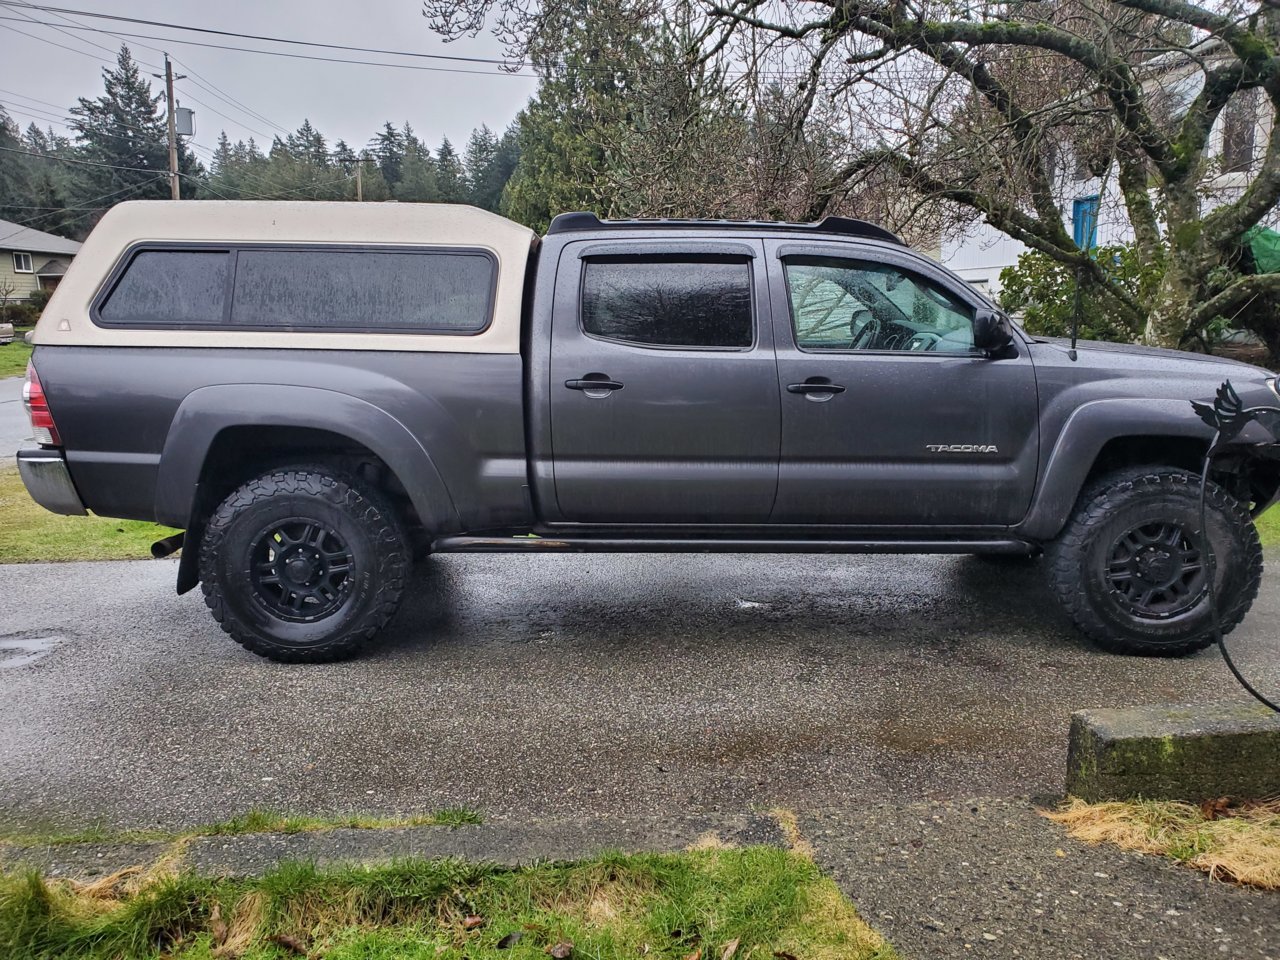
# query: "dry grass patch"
1237 843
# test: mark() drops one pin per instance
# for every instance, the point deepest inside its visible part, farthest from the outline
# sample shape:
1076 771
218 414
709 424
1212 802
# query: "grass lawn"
29 533
1229 843
13 359
713 904
1269 527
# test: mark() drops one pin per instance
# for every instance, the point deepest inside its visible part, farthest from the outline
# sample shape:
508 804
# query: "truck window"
856 305
446 291
170 287
670 302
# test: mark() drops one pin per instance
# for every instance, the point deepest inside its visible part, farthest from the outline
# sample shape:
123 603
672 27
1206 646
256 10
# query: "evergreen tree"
344 157
388 148
417 173
478 158
451 175
124 128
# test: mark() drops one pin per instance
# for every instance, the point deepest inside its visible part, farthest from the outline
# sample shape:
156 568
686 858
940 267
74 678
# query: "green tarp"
1264 244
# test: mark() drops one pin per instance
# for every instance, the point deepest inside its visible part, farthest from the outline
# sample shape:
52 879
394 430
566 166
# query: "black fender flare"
1088 429
206 412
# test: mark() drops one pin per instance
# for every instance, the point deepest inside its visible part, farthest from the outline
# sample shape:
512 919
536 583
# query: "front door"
664 391
889 414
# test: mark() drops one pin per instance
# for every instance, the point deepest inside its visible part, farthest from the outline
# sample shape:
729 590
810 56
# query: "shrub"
1044 291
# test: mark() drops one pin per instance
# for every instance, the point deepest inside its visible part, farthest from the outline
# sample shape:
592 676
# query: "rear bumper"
49 481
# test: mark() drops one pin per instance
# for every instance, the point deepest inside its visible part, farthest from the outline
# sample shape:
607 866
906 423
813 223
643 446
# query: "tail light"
33 398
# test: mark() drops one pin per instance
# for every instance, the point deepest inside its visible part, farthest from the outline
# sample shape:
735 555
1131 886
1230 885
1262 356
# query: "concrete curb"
502 843
1187 752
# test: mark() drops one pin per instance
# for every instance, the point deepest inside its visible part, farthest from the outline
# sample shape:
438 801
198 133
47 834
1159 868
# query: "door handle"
593 383
818 388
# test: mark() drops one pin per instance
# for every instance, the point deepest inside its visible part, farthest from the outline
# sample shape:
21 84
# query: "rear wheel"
303 564
1129 568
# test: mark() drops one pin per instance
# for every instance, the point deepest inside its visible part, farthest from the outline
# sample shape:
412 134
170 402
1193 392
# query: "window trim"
732 253
788 254
233 250
31 262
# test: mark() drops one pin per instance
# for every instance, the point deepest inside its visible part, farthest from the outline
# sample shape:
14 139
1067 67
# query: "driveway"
569 687
15 431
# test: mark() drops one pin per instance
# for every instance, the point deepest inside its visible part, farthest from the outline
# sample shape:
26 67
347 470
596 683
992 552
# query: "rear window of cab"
327 289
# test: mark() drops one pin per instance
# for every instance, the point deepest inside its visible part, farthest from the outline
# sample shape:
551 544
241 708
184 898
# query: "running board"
529 543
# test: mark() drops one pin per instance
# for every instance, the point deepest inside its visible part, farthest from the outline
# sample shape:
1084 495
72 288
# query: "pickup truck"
319 393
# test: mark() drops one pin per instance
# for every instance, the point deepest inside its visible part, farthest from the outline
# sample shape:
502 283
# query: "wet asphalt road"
568 687
15 430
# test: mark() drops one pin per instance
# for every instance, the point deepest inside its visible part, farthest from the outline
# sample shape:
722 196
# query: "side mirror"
991 332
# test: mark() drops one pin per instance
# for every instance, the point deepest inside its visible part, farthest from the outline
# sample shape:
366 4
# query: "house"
1093 208
31 260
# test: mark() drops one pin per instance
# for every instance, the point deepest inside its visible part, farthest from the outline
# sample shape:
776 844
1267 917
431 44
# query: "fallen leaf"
696 955
510 940
1213 809
217 926
289 943
730 948
561 950
1059 852
471 921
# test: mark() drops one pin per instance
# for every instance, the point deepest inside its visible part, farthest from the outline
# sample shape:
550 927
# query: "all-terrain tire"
359 563
1110 516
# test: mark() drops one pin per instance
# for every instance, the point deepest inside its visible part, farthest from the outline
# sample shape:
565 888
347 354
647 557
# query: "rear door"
889 415
664 389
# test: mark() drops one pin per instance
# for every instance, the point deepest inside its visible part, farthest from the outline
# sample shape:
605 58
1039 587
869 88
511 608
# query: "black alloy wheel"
301 570
1155 571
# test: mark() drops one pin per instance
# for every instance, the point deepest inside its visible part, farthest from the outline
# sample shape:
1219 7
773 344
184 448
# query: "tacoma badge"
961 448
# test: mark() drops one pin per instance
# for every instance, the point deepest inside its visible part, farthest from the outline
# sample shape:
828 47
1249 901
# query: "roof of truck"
581 222
308 221
67 319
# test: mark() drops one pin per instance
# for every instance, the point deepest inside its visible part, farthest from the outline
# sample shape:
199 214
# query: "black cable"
1214 616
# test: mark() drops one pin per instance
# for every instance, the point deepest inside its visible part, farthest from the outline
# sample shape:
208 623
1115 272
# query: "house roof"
53 268
14 236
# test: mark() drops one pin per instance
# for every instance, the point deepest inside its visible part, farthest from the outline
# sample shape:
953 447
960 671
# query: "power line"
211 87
291 56
105 196
253 36
90 163
99 46
200 80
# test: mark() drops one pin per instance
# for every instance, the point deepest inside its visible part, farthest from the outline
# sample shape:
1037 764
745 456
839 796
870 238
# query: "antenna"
1075 313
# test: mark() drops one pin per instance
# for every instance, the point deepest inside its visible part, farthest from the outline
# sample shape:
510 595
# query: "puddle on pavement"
20 651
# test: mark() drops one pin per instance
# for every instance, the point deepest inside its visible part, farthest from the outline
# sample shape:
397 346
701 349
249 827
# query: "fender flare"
1088 429
207 411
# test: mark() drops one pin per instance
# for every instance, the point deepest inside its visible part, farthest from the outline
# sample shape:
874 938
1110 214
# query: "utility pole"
174 191
359 180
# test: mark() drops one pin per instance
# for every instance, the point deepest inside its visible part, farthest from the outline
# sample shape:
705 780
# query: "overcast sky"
342 100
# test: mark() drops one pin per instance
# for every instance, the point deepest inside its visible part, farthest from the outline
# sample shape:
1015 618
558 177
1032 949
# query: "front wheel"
1129 569
303 565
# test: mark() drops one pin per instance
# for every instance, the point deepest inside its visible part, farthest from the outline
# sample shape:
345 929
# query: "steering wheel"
867 331
922 341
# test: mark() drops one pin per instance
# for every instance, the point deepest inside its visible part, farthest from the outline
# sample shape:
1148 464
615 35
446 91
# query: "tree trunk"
1167 321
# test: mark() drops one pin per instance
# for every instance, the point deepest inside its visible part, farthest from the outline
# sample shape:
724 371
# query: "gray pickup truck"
318 393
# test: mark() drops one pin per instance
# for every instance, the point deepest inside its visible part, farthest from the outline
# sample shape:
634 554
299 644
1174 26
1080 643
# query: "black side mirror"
991 332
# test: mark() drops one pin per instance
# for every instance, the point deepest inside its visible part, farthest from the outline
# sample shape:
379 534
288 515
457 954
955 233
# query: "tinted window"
676 303
357 288
851 305
170 286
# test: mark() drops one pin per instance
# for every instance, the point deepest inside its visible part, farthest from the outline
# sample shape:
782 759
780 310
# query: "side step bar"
536 544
